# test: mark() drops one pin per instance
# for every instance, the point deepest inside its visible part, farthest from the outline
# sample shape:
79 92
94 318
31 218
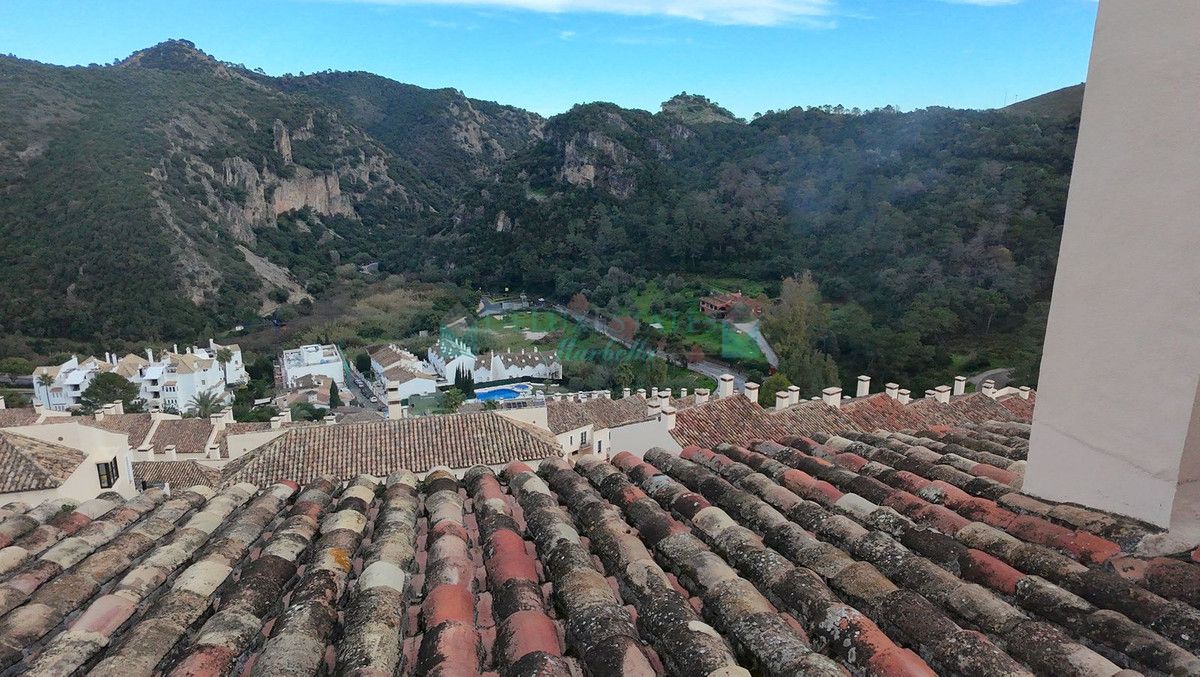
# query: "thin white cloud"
566 35
983 3
814 13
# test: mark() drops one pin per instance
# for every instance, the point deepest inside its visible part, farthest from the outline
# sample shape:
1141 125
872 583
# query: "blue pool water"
504 393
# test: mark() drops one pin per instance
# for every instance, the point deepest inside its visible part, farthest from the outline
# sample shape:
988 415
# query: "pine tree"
335 399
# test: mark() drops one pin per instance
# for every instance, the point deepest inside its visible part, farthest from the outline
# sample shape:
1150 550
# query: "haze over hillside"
171 194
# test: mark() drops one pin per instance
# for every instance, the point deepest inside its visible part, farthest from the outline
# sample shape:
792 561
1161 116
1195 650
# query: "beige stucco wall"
100 446
638 438
1116 425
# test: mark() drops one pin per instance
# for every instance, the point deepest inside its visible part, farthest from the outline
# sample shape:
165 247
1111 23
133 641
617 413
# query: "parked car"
374 400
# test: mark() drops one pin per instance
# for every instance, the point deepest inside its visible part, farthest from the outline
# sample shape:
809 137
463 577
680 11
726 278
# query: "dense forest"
168 194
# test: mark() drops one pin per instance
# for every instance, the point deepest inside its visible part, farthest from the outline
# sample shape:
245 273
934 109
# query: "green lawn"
679 314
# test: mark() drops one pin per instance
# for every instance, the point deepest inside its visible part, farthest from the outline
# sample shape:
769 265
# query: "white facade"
1117 425
69 380
451 355
100 447
394 366
167 382
173 380
312 360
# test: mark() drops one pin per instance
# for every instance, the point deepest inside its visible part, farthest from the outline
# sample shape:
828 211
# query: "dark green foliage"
335 400
464 381
106 389
362 362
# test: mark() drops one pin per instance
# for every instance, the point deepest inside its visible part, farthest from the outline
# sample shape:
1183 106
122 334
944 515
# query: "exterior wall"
638 438
534 415
1117 425
238 445
334 370
417 386
100 446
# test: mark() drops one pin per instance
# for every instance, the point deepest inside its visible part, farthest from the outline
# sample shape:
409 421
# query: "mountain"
171 193
1065 102
136 194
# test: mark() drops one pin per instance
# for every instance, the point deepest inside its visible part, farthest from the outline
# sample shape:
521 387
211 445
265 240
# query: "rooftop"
311 355
27 464
901 553
383 447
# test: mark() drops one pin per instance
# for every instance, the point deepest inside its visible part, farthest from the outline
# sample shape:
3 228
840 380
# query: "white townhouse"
58 388
398 368
450 355
312 360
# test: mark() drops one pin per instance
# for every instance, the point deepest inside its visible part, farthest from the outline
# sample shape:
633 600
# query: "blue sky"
545 55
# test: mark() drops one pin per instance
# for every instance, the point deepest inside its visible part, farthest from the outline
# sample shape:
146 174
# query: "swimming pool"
503 392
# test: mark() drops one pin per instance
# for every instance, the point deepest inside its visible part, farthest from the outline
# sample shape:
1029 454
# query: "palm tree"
205 404
224 355
46 380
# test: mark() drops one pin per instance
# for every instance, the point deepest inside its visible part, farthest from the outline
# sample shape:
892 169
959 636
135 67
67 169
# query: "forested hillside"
171 193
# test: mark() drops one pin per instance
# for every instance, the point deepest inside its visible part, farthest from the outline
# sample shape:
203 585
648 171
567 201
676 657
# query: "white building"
68 461
58 388
312 360
394 366
168 382
451 355
173 380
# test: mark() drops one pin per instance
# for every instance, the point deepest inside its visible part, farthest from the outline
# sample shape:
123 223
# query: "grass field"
679 315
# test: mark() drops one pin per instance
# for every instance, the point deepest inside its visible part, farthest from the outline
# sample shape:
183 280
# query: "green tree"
362 362
794 325
655 372
450 401
204 404
464 380
107 388
335 399
16 365
775 383
224 356
45 381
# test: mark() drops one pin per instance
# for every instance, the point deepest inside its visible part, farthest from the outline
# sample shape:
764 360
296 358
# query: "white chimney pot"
864 386
832 396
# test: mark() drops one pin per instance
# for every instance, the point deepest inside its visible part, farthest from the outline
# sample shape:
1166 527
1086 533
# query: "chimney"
960 385
654 393
169 450
653 409
751 392
213 452
642 392
276 422
118 407
330 419
682 393
664 398
832 396
2 404
101 412
394 407
864 386
175 348
942 394
989 388
668 418
606 394
793 395
782 400
107 357
149 355
725 385
218 421
1024 394
892 390
626 392
929 394
701 395
904 396
286 415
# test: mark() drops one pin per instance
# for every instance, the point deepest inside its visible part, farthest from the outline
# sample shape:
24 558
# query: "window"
109 473
583 438
599 447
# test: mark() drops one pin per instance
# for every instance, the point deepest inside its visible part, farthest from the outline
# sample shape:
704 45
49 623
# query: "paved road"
709 368
362 396
753 330
1000 376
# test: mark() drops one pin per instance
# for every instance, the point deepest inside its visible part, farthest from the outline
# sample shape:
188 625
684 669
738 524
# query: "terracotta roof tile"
380 448
189 435
17 417
28 464
871 553
179 474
